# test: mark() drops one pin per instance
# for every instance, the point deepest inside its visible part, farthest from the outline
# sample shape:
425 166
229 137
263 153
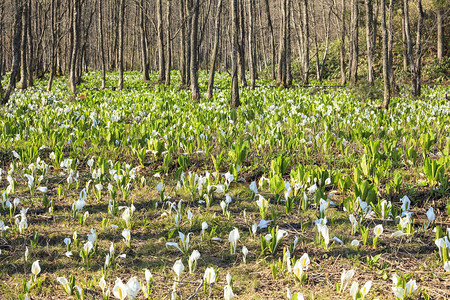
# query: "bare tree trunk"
354 43
418 77
169 43
102 50
188 41
305 42
234 101
212 69
52 49
121 33
326 20
182 43
144 63
23 56
242 43
369 40
288 44
16 51
251 43
281 77
75 45
405 44
30 59
391 47
440 32
272 38
194 54
386 77
161 60
342 44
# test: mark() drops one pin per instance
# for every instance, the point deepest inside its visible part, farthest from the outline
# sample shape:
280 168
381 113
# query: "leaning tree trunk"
369 40
23 55
194 53
75 45
121 33
16 51
386 77
272 38
251 43
160 31
212 69
234 101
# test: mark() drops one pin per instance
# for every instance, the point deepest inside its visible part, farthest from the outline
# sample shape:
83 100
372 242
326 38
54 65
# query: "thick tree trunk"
102 50
342 44
212 69
251 43
23 55
16 51
386 77
161 58
121 33
194 53
405 44
369 40
272 38
75 45
234 101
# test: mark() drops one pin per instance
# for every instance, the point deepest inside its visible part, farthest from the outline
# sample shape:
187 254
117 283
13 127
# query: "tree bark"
353 68
305 42
16 51
169 44
160 31
194 53
234 101
251 43
342 44
440 33
182 43
23 51
52 49
212 69
75 45
386 77
272 38
391 47
102 50
288 44
369 40
242 43
144 63
121 33
281 77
